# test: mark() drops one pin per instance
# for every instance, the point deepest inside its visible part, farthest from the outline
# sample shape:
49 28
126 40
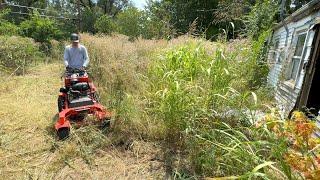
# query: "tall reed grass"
194 97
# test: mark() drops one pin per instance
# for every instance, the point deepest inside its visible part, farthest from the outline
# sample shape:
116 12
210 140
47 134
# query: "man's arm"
86 57
66 57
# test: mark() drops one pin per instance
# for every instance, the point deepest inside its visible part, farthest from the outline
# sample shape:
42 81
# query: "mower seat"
82 86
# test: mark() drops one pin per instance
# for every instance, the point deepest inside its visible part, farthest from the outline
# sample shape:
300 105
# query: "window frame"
301 57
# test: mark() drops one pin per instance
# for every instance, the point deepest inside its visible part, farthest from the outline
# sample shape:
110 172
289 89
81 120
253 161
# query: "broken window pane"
295 67
300 44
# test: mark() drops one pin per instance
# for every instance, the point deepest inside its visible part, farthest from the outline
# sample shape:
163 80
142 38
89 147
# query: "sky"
139 3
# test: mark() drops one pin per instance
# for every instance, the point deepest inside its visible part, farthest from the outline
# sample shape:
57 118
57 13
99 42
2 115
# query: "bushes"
7 28
40 29
17 54
261 18
128 22
105 25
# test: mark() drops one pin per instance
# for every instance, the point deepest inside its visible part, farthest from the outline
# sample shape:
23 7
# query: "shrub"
261 18
128 22
105 25
7 28
88 19
17 54
40 29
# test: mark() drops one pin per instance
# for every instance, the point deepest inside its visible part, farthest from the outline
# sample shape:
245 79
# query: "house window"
297 57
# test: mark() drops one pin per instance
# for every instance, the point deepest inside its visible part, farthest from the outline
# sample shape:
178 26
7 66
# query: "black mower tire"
63 133
60 103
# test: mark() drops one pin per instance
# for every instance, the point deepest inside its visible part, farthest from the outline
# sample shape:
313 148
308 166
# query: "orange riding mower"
78 99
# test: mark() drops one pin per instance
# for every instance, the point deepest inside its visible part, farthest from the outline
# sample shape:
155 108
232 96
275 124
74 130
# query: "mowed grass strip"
28 144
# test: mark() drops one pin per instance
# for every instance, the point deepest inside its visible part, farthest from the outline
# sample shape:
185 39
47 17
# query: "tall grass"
120 69
204 112
194 97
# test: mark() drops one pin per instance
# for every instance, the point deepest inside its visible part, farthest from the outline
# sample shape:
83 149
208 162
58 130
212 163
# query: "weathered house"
294 59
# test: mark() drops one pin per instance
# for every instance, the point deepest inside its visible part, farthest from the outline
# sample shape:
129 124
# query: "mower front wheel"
63 133
60 103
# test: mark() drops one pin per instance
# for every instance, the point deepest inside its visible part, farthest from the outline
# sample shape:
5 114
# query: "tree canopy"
160 18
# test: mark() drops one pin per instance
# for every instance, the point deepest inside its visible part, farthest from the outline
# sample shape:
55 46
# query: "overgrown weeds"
197 98
17 54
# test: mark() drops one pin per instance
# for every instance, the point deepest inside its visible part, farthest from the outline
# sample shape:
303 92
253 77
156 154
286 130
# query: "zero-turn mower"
77 99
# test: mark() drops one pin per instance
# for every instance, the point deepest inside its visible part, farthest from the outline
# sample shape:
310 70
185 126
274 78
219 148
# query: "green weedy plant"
261 18
258 68
17 54
205 117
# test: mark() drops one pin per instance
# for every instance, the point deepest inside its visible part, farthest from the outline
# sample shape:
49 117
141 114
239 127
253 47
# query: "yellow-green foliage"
192 95
17 54
203 114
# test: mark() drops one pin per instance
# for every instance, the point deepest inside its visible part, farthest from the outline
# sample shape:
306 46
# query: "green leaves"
129 22
105 25
17 54
40 29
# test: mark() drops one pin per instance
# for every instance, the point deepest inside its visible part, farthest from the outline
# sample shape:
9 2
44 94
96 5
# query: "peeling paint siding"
285 95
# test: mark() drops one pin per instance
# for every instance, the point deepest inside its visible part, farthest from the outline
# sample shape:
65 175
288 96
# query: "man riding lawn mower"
78 98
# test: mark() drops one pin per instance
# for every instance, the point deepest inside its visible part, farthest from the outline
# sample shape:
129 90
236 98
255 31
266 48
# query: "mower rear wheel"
60 103
63 133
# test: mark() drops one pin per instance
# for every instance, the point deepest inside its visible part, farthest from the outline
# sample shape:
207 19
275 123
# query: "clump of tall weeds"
195 97
205 105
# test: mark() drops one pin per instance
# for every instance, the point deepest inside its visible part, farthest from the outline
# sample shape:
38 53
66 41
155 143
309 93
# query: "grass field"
186 108
29 148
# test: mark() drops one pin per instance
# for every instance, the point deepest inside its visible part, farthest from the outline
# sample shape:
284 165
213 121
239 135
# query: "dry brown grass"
119 68
29 148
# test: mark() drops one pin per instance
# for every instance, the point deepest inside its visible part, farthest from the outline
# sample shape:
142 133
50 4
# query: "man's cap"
75 37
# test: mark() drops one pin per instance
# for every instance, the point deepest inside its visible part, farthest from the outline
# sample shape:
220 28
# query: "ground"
29 148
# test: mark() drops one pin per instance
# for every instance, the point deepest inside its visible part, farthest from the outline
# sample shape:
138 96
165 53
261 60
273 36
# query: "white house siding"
286 95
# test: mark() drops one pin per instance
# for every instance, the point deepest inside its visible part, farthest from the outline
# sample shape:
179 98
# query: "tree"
184 13
156 21
112 7
293 5
229 15
105 25
261 18
129 22
88 19
40 29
